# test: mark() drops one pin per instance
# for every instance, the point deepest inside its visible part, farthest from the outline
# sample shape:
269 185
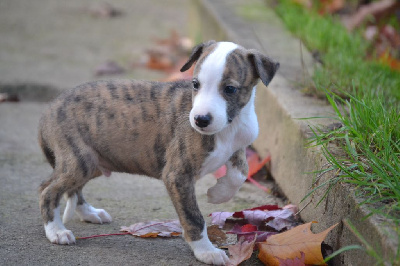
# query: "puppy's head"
223 81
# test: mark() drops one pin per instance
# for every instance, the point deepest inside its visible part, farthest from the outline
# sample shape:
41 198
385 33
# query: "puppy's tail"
70 208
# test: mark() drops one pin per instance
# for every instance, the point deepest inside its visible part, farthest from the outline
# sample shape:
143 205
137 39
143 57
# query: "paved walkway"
57 43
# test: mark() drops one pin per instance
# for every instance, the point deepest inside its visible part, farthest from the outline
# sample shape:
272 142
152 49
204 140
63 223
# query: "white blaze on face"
208 100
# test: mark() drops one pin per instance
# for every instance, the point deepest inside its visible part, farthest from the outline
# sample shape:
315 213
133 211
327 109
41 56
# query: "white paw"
205 252
220 193
89 214
215 256
58 234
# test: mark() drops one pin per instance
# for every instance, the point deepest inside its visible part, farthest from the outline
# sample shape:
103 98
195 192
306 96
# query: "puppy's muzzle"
202 121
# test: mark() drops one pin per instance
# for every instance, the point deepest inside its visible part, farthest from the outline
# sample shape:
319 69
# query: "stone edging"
284 136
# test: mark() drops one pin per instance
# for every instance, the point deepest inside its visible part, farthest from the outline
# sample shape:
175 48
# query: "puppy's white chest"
239 134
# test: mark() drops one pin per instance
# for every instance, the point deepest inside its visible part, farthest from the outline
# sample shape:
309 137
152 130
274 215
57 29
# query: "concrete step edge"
284 136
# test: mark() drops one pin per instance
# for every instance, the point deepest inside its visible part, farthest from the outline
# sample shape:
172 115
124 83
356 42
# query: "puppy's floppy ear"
196 53
264 66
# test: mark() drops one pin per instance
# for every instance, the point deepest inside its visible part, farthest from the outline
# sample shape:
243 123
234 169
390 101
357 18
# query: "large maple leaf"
292 243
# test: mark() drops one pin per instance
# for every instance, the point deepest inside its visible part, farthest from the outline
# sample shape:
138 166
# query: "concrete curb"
284 136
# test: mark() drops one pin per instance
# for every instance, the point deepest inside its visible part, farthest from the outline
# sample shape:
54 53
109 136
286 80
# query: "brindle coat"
140 127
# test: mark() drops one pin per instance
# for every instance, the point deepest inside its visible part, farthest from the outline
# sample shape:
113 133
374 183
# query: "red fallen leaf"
169 55
241 251
255 162
284 220
293 262
255 165
219 218
248 231
160 58
239 214
176 43
176 74
248 228
291 207
258 217
269 215
220 172
166 228
388 60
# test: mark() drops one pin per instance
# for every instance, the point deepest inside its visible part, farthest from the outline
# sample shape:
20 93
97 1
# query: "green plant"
344 55
365 98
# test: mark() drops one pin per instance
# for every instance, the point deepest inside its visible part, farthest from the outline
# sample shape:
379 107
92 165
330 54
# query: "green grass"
365 97
370 139
343 54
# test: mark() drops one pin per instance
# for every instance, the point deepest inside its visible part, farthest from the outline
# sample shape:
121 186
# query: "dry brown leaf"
216 235
166 228
331 6
390 61
241 251
290 244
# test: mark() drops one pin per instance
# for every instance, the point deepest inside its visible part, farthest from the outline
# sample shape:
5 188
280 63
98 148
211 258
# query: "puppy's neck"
244 128
239 134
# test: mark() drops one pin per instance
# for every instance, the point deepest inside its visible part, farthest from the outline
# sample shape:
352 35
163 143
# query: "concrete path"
57 43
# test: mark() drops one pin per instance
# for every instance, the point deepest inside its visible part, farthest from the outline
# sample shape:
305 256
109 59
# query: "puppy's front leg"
228 185
180 186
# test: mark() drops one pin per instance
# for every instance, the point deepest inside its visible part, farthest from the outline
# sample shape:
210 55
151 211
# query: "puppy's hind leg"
49 205
88 213
77 203
72 200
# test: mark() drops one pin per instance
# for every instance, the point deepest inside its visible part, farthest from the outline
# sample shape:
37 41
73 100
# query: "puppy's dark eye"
196 84
230 89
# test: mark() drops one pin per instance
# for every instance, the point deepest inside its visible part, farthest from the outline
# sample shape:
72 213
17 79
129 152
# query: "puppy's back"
125 123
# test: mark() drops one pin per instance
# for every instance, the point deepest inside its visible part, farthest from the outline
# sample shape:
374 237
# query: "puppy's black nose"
202 120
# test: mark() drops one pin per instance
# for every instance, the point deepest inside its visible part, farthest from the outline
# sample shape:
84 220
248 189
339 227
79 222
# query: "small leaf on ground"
219 218
284 218
241 251
290 244
240 214
166 228
248 231
255 162
216 235
169 55
271 216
